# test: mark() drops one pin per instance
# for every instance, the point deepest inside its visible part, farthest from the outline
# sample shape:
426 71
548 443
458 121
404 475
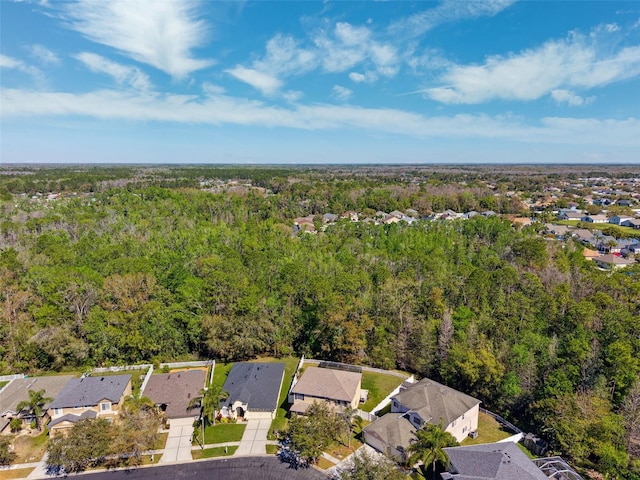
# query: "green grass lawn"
599 226
379 385
213 452
489 431
222 432
526 452
220 372
272 449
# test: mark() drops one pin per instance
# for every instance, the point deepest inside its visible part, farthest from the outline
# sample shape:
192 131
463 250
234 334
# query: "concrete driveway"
254 439
178 447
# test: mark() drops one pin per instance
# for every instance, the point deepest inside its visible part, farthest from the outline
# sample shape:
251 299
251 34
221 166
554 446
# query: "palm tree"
428 447
36 402
209 401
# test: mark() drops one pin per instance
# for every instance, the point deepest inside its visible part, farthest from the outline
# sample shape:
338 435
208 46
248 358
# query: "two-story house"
417 404
88 397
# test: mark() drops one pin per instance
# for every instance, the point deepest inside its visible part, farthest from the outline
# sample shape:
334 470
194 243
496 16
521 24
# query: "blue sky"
136 81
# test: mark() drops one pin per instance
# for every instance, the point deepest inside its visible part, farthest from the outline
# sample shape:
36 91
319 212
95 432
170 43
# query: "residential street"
256 468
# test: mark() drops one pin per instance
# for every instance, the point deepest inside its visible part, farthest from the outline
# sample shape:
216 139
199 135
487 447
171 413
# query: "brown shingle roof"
328 383
175 390
434 401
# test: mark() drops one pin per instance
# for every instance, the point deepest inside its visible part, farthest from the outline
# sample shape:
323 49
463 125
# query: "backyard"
379 385
489 431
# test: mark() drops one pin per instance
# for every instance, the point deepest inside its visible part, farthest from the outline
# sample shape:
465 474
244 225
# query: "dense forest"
147 265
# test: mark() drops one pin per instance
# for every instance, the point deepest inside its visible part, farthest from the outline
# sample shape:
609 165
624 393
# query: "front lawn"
272 449
221 433
489 431
379 385
15 473
213 452
30 448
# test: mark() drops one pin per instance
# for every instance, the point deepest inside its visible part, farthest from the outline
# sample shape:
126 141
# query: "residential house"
18 391
612 262
253 390
391 434
607 244
470 214
339 388
558 230
589 254
633 223
417 404
398 214
351 215
618 219
624 203
492 461
488 213
570 215
330 218
390 219
585 236
522 221
594 219
173 392
411 212
88 397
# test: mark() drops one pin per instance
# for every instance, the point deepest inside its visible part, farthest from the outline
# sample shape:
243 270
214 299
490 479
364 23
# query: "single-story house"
88 397
589 254
18 391
398 214
571 215
390 219
585 236
633 223
594 219
330 218
558 230
172 392
339 388
612 262
618 219
491 461
253 390
420 403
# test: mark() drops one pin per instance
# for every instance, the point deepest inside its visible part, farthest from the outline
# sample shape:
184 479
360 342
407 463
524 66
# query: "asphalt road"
243 468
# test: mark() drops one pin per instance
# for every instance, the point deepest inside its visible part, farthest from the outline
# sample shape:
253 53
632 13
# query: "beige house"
416 405
88 397
338 388
612 262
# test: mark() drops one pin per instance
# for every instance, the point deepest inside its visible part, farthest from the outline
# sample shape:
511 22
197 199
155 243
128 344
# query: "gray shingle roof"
394 430
434 401
493 461
88 391
175 390
255 384
18 390
70 417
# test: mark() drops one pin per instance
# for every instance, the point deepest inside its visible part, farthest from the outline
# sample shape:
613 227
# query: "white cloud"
15 64
43 54
212 90
216 110
357 77
292 96
572 63
264 82
284 57
570 98
341 93
122 74
159 33
448 11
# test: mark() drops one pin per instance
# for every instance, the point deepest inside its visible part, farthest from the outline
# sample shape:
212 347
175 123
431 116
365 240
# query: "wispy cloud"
264 82
569 98
341 93
220 109
448 11
576 62
44 55
122 74
159 33
15 64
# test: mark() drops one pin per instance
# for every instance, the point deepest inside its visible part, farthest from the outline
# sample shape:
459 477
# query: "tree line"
149 273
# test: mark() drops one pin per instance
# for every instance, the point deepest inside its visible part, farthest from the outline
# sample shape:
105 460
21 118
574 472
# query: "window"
453 424
298 396
464 430
57 412
105 407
